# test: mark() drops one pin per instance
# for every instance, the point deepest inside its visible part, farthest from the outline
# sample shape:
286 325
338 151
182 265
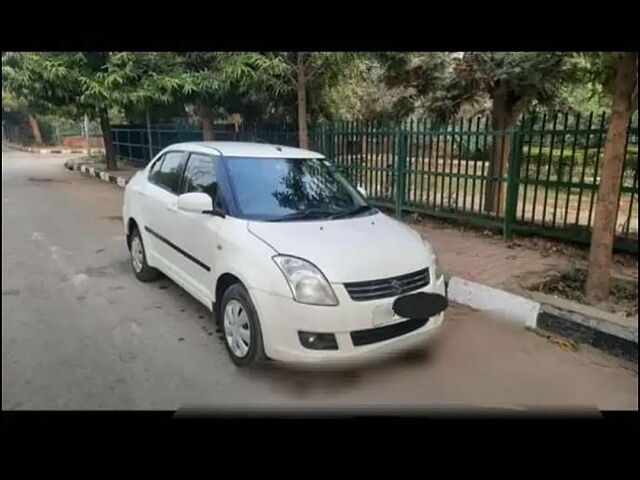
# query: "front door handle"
171 208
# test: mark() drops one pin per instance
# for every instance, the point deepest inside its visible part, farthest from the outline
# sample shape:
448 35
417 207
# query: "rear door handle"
171 208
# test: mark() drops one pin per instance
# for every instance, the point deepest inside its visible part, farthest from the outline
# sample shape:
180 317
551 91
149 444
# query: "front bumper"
282 318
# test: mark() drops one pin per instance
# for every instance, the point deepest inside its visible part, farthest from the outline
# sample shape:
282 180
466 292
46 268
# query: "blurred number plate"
384 315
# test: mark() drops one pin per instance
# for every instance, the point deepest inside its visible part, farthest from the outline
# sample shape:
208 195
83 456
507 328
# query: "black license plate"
419 305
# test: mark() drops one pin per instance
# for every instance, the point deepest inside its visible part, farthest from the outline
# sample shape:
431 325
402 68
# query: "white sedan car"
294 262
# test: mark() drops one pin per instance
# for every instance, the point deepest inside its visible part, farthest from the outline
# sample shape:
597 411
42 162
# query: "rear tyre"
241 328
141 268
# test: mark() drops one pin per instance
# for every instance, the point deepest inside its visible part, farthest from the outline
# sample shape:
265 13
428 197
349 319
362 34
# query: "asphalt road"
79 332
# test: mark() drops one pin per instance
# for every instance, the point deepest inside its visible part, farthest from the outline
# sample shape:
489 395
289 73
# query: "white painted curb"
121 182
514 308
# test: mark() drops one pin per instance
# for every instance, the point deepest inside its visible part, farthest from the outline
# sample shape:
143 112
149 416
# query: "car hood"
351 249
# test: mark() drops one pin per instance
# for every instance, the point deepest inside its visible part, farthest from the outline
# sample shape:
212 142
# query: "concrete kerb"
602 330
86 167
503 304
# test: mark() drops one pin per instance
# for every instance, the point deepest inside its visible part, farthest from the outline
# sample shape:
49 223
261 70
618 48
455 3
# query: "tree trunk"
303 133
502 119
604 224
207 117
35 128
107 138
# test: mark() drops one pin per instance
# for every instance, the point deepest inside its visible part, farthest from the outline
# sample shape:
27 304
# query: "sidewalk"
486 258
49 149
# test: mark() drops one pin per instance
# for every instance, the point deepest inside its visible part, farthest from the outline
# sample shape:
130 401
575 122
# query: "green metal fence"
540 177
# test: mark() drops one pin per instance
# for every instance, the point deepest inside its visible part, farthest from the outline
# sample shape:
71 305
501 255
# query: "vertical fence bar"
571 168
546 187
559 170
585 161
375 151
369 156
624 164
476 160
359 153
401 163
594 189
527 167
634 189
445 176
411 163
130 157
485 157
513 174
149 139
429 138
456 202
421 142
366 139
634 182
436 176
466 163
390 160
538 167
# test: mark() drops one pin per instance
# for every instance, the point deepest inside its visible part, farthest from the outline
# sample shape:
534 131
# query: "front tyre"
141 268
241 327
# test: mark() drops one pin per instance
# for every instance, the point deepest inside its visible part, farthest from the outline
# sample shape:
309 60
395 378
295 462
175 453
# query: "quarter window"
153 171
200 175
168 175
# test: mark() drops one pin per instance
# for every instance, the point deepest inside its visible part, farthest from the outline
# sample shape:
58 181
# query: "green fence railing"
540 177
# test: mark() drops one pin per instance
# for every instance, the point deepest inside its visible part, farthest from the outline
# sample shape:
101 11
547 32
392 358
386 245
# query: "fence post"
329 143
148 118
87 137
401 165
513 180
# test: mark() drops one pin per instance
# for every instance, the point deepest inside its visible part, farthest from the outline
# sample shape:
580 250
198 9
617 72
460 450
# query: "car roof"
246 149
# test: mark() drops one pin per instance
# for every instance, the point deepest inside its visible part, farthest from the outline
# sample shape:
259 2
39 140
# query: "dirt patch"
570 285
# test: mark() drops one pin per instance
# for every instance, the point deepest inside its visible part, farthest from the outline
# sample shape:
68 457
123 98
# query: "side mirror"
362 191
196 202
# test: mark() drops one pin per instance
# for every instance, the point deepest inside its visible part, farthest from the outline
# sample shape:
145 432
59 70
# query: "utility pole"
86 134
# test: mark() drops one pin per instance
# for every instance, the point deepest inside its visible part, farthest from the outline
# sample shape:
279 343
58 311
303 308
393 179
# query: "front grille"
388 287
379 334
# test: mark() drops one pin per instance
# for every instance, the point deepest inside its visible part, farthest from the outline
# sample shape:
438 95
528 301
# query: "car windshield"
283 189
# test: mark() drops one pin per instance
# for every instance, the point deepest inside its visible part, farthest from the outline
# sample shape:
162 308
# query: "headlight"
307 283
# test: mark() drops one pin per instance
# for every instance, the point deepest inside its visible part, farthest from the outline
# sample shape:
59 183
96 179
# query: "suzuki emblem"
396 286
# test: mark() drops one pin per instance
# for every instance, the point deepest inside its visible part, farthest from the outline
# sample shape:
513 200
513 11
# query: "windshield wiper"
353 211
301 215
